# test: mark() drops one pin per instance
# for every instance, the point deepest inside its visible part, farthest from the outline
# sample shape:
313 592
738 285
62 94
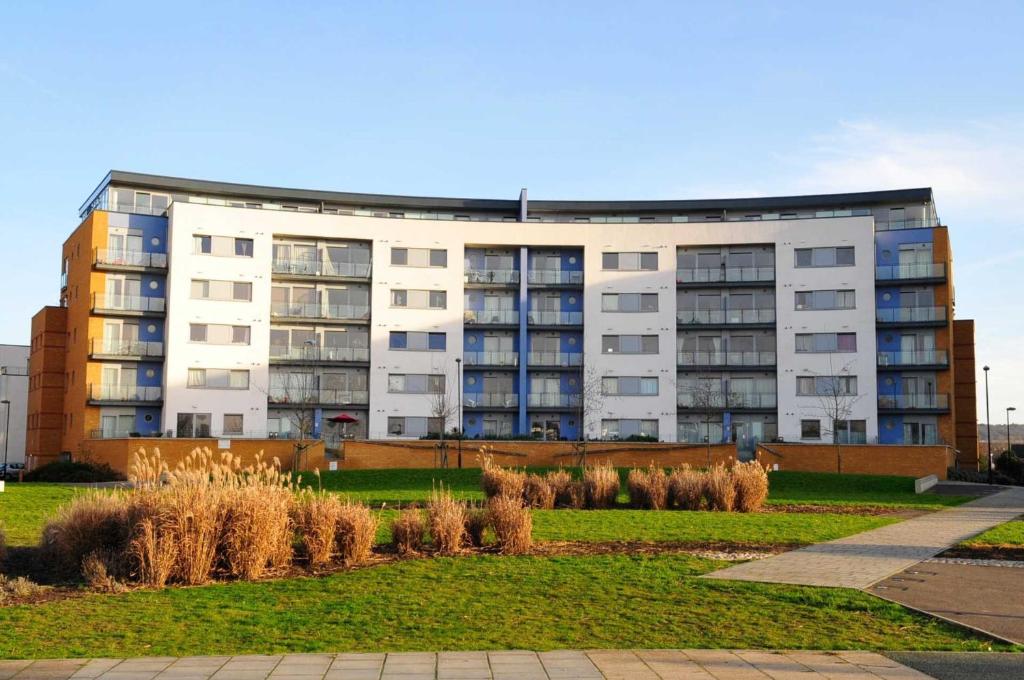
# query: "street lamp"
1008 409
458 369
988 427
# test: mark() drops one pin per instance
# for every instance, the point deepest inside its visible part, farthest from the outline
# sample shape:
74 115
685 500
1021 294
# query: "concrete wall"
14 388
908 461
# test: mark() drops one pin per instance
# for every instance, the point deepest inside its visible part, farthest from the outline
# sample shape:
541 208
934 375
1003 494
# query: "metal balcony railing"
902 272
126 303
127 348
490 400
103 392
317 353
319 311
725 358
698 317
909 314
483 317
498 276
552 400
913 401
562 359
130 258
546 318
355 270
491 358
726 275
925 357
726 400
298 396
554 277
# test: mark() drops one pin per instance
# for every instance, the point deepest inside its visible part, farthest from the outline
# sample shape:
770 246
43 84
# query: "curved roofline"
185 185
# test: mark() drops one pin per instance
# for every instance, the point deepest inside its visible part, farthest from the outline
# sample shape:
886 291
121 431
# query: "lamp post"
988 427
458 370
1008 409
7 435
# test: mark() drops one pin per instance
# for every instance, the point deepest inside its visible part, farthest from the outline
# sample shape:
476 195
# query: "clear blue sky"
571 99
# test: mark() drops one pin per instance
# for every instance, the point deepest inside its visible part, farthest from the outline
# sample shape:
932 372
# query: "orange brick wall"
944 296
119 453
868 459
965 393
45 385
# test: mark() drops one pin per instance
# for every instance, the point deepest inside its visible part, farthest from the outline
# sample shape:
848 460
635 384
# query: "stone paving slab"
664 664
863 559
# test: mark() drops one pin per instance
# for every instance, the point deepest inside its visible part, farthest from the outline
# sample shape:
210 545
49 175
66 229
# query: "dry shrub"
499 481
152 551
316 520
648 489
92 522
719 492
407 531
560 481
513 524
538 493
357 531
257 530
477 521
685 488
600 486
96 574
750 480
19 587
447 522
199 511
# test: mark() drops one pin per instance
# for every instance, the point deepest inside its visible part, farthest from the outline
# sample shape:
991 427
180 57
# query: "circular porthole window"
572 259
888 338
886 254
889 425
471 339
150 373
890 381
153 285
155 241
471 380
886 296
572 300
572 341
148 417
151 328
572 382
471 421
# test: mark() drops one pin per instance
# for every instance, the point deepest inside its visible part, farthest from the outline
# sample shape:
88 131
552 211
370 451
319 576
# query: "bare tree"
444 407
836 397
589 403
297 394
706 397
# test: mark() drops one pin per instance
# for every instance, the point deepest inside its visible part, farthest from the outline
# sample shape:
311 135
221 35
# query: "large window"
233 423
415 383
826 385
417 341
218 378
851 431
223 246
629 344
826 342
629 302
419 257
419 299
810 429
825 299
629 386
624 428
839 256
413 426
630 261
219 334
193 425
225 291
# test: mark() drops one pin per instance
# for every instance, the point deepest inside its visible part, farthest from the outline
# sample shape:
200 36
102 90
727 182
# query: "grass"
1010 534
24 509
476 603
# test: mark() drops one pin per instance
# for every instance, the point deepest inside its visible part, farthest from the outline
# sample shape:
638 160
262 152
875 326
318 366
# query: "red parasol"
342 418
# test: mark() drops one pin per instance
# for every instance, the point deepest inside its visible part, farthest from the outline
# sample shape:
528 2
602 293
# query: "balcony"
726 401
490 400
554 277
722 317
546 318
725 359
125 349
922 316
123 393
553 400
491 317
298 310
299 397
496 277
128 259
555 359
313 353
509 359
937 358
925 271
127 305
726 275
913 402
322 269
913 223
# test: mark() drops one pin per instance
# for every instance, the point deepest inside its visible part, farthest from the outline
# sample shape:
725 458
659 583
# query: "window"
627 428
826 342
419 299
851 431
223 246
203 245
825 299
415 383
839 256
419 257
219 334
218 378
629 386
243 247
629 344
197 332
193 425
810 429
233 423
825 385
418 341
225 291
630 261
629 302
413 426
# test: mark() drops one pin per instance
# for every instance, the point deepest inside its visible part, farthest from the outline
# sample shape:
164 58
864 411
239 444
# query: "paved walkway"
860 560
512 665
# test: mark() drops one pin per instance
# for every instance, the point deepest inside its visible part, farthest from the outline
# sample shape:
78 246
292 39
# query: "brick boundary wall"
868 459
119 453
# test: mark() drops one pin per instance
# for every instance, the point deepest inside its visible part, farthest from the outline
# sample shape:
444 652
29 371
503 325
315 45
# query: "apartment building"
193 308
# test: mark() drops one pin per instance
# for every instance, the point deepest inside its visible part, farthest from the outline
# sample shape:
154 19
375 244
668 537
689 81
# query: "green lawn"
475 603
24 509
1010 534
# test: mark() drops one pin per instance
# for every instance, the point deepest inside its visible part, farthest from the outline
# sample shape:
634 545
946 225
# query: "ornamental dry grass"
316 519
447 522
538 493
750 481
600 486
564 488
477 521
357 530
500 481
648 489
686 488
407 531
719 492
512 523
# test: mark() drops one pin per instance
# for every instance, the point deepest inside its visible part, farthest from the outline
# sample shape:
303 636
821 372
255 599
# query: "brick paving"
860 560
508 665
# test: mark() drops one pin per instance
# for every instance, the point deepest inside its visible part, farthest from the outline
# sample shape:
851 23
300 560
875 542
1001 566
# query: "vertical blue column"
524 301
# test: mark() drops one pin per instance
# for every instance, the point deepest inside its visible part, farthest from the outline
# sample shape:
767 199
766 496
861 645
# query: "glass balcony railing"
129 258
555 277
924 357
319 311
316 353
104 392
903 272
491 358
546 318
300 396
127 348
561 359
725 358
726 400
913 401
910 314
553 400
913 223
726 275
497 276
483 317
490 400
698 317
127 303
305 267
